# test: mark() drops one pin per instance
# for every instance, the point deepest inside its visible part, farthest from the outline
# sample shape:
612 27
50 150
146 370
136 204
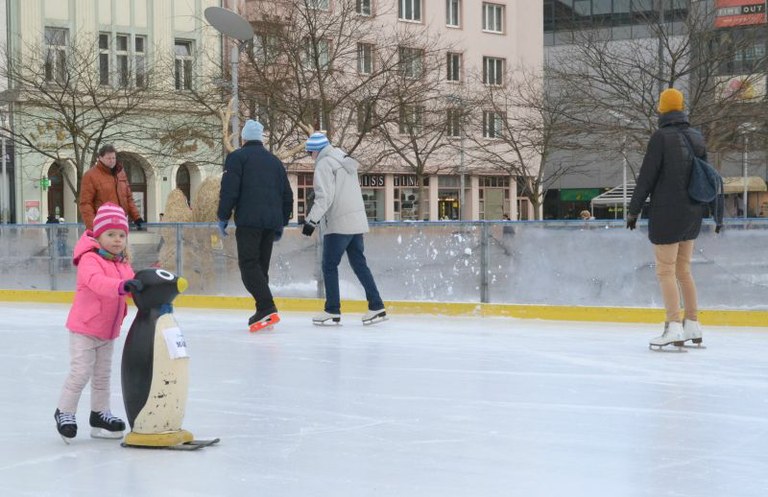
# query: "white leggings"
90 359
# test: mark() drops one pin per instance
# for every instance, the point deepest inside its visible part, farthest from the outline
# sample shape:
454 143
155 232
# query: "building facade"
133 54
739 80
479 37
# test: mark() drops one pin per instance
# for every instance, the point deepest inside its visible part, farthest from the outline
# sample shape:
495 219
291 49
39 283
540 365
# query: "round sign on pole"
229 23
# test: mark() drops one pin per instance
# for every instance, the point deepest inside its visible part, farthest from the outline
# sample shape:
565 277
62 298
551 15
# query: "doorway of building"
137 181
184 183
55 192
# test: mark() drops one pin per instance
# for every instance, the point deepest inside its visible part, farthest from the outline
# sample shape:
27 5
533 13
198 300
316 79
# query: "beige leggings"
90 359
673 268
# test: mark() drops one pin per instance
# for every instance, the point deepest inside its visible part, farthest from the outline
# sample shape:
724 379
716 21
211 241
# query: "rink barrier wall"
523 266
710 317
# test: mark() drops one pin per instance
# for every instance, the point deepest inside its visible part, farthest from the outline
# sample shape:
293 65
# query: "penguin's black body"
155 368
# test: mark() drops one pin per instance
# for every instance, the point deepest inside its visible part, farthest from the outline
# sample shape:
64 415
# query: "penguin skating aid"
155 367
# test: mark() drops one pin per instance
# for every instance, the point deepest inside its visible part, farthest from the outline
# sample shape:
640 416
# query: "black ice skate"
105 425
263 320
66 425
372 317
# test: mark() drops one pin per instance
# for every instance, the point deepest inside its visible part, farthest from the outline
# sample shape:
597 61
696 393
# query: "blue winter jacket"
256 186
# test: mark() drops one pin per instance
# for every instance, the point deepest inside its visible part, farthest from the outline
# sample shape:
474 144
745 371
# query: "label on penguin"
174 340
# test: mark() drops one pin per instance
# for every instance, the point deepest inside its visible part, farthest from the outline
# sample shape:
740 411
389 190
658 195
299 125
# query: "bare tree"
522 125
64 109
615 84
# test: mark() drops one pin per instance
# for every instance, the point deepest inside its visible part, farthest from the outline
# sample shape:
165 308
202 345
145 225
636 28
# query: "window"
363 7
365 114
411 62
318 4
411 119
364 58
318 115
452 17
121 61
409 10
104 59
265 48
56 41
493 71
454 123
493 124
140 60
493 17
119 53
453 67
183 65
322 55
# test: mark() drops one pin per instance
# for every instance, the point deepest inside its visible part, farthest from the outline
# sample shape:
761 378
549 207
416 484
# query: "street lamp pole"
745 129
746 173
461 168
624 121
4 205
624 177
235 26
234 59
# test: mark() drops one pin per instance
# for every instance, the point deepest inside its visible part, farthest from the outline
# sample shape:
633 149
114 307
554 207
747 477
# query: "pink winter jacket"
98 309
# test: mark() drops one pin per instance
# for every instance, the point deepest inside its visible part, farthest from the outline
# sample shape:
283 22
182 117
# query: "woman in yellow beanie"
670 100
674 219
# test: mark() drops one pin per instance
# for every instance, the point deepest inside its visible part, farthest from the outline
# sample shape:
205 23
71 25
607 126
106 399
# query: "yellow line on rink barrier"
713 317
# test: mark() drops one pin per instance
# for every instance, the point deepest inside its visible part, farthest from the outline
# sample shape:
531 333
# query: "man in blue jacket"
256 186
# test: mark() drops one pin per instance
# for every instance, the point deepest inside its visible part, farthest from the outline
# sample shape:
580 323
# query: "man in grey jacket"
338 205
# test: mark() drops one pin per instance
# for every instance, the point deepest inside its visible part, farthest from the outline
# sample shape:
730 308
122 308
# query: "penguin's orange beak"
182 284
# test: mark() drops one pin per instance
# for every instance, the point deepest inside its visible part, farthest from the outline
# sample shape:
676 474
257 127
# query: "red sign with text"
730 13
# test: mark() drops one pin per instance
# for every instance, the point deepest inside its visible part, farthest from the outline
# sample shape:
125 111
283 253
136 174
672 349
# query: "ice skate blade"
377 319
253 329
660 348
106 434
327 322
264 325
694 346
66 440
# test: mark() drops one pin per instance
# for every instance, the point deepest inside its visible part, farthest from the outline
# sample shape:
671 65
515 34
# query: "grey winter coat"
338 199
673 217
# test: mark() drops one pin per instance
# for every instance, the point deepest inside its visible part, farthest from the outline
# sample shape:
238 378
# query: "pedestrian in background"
106 182
674 219
256 186
339 207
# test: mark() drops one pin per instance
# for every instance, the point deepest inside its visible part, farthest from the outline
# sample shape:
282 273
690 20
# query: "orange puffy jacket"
101 185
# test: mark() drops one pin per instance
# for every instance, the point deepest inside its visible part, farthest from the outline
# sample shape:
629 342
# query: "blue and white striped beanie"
317 142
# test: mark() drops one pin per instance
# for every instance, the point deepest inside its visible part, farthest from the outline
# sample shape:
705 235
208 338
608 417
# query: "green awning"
578 194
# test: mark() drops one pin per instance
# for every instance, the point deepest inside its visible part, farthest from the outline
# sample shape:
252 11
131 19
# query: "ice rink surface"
418 406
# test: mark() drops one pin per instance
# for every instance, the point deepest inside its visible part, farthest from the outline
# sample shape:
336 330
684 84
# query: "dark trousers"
254 251
334 246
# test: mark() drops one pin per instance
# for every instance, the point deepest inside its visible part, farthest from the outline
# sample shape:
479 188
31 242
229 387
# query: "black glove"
308 229
718 228
132 286
138 222
278 234
631 221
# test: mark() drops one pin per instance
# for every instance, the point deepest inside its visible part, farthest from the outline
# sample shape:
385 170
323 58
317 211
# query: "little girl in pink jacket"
104 278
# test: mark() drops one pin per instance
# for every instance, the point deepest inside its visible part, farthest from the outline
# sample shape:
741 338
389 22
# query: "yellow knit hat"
670 100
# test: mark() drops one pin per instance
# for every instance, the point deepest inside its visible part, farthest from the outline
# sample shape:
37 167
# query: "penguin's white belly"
167 400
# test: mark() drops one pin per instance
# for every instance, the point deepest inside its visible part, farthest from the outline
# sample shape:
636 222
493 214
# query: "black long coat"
673 217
